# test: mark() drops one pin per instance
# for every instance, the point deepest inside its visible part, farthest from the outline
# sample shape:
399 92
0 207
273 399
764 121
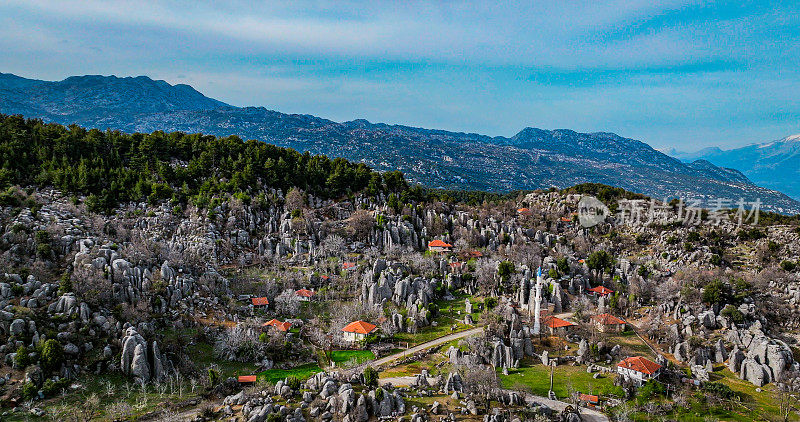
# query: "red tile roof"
588 398
259 301
348 265
281 326
359 327
554 322
601 290
304 293
523 210
439 244
456 265
640 364
607 319
566 219
247 378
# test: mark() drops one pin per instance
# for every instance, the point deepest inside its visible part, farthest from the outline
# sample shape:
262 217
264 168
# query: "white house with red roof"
304 294
600 291
439 246
357 330
638 369
606 323
557 325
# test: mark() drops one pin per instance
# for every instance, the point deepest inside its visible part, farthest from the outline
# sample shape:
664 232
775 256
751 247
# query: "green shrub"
733 314
21 359
293 383
29 391
788 266
52 387
716 292
52 355
505 269
214 376
649 390
719 389
370 376
563 265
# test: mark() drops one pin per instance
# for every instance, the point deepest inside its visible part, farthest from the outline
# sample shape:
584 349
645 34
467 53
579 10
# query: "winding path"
423 346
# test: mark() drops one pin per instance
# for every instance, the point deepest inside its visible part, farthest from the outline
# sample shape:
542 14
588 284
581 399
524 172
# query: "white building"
638 369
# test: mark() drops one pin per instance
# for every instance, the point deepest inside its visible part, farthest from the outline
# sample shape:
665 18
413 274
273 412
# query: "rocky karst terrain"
109 288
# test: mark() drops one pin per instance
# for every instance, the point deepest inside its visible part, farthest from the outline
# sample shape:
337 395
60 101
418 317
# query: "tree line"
111 167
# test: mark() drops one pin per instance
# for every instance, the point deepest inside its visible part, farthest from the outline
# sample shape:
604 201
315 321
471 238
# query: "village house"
467 255
558 326
348 265
639 370
457 267
259 302
607 323
278 325
247 379
589 400
439 246
357 330
304 294
600 291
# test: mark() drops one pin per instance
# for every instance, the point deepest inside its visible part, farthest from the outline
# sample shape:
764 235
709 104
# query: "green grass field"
351 357
303 372
535 378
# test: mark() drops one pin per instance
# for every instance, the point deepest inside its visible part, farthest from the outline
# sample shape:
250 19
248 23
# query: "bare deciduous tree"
360 224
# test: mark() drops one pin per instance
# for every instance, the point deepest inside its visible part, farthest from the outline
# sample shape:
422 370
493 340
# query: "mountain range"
531 159
775 164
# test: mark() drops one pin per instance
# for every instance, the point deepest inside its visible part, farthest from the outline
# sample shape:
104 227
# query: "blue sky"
682 74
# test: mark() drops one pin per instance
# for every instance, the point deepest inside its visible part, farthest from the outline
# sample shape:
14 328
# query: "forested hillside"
113 166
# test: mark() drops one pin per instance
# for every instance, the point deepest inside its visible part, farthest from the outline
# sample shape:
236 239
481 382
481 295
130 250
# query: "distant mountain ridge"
774 164
533 158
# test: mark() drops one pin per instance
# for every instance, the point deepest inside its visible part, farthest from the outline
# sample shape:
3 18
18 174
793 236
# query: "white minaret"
538 303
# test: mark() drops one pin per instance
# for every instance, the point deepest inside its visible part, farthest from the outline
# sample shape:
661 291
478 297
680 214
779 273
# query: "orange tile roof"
304 293
439 244
588 398
601 290
607 319
359 327
281 326
348 265
247 378
523 210
259 301
554 322
640 364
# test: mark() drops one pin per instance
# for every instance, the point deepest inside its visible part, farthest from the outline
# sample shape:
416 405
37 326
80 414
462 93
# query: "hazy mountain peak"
87 94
